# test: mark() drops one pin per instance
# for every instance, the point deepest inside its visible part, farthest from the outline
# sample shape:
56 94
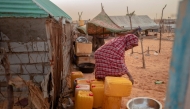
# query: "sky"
91 8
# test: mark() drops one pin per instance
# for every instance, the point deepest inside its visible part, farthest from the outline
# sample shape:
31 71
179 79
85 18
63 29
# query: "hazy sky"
91 8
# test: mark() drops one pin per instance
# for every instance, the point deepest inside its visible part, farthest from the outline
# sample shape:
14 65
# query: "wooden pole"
161 28
130 15
143 60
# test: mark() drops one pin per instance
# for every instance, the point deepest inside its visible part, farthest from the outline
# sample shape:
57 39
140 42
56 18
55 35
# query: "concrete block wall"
29 55
27 48
26 59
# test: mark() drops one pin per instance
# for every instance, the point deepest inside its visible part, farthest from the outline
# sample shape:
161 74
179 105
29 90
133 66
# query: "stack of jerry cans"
98 92
84 100
74 75
114 89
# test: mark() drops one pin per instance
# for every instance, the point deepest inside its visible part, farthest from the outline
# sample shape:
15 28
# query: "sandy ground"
157 67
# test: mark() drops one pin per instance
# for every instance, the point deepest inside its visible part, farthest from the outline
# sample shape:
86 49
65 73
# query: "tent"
143 21
102 24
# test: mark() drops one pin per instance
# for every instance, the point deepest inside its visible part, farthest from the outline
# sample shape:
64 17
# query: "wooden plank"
49 38
179 69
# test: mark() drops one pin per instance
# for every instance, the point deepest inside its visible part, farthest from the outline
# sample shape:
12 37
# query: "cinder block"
40 46
38 57
18 58
15 68
47 69
21 47
25 77
35 68
39 78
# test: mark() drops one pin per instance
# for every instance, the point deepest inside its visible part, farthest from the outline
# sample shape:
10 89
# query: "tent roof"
103 24
138 20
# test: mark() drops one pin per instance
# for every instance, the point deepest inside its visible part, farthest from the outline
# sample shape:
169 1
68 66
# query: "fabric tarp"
102 24
82 29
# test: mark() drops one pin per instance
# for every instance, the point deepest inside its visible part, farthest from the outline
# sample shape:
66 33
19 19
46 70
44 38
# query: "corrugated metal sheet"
51 8
141 20
30 8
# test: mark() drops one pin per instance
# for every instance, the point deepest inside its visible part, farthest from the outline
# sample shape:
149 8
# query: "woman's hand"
131 79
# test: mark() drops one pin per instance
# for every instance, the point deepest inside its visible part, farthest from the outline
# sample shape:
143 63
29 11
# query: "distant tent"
102 24
143 21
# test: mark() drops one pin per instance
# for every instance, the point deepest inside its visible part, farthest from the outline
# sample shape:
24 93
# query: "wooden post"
143 60
142 53
161 29
6 65
130 15
148 51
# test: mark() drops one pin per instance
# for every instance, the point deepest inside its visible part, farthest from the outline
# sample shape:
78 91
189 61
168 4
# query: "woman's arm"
128 74
130 77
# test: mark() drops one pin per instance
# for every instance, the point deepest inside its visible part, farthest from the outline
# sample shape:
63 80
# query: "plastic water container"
75 84
98 92
117 87
80 81
84 100
111 102
81 87
95 81
83 81
74 75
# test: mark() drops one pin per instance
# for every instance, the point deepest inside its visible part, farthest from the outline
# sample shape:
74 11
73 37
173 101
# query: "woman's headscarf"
109 58
131 41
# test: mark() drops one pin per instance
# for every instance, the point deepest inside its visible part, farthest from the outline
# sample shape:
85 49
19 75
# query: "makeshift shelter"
102 24
36 35
143 21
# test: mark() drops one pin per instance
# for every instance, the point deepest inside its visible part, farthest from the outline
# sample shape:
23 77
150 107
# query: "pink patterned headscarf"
109 58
